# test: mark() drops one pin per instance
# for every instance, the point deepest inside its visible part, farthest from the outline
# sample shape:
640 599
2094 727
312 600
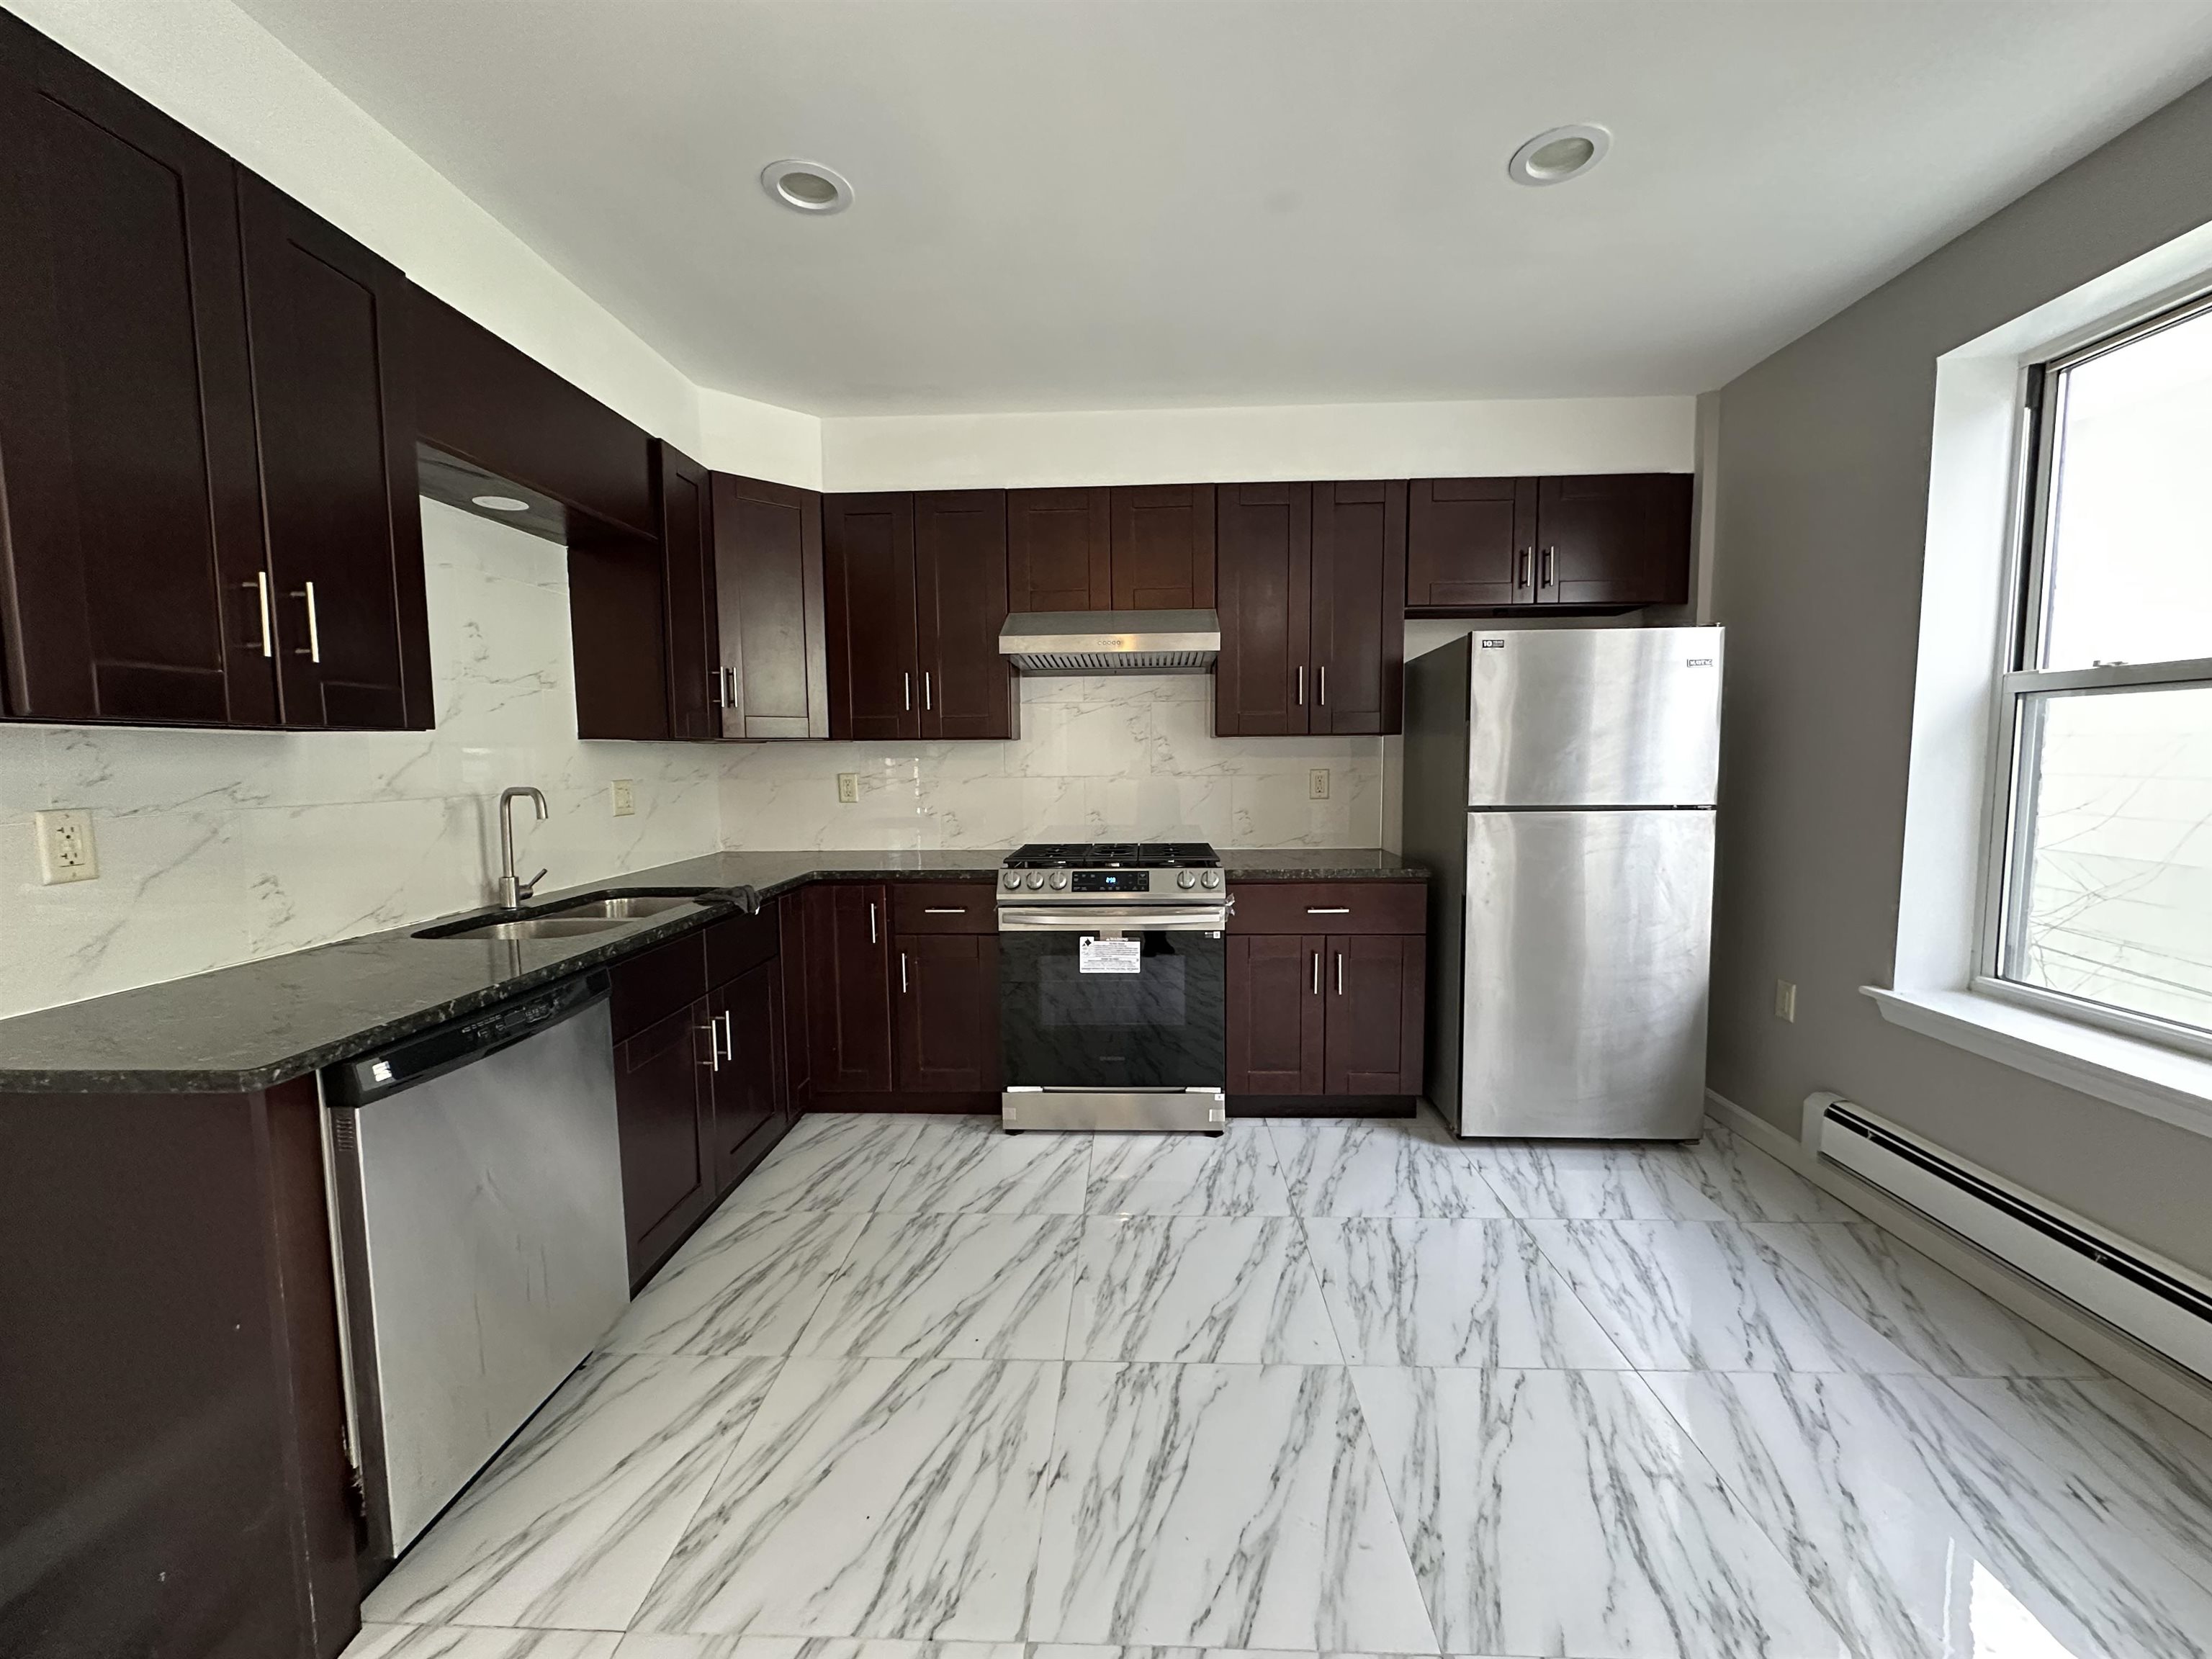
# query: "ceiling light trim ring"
777 179
1531 166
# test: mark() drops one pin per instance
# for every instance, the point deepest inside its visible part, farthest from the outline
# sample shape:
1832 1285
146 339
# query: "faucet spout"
513 892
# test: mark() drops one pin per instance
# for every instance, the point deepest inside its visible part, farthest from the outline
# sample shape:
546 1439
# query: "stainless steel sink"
623 906
594 913
533 927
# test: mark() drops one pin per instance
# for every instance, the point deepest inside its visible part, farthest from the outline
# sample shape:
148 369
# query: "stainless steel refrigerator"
1560 783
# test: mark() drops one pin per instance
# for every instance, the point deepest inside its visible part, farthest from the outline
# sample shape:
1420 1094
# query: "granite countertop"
260 1023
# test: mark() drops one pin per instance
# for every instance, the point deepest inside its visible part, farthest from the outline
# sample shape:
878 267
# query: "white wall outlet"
1318 784
625 793
65 848
1785 1000
849 788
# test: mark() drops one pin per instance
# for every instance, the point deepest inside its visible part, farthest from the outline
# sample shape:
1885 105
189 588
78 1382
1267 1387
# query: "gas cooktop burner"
1114 855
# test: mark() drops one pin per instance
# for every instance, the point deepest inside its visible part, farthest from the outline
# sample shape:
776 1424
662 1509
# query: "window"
2102 879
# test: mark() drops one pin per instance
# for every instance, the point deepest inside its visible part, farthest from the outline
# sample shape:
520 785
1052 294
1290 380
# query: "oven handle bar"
1089 919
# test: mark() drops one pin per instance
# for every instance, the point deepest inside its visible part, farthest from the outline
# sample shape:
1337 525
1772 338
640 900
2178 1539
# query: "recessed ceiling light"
1562 153
806 186
499 504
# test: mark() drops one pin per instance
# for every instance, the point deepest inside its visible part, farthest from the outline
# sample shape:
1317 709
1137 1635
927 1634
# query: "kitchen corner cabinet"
1313 626
1326 989
1593 542
915 590
1141 547
768 609
846 927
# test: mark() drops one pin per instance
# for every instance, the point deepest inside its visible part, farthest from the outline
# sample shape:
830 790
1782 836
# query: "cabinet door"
768 588
1059 550
1263 546
1163 547
1276 1013
131 551
948 1012
1374 986
1470 543
967 689
1617 540
849 1012
695 681
1358 607
748 1083
664 1110
335 405
867 556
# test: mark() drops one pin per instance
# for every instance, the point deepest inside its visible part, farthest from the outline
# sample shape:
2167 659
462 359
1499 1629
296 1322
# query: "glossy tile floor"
1315 1386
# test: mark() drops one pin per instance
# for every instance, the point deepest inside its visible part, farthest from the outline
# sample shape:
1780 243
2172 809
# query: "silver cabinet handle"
1302 685
1550 566
872 921
1316 990
729 1034
713 1048
1328 909
721 688
925 700
313 652
908 676
954 911
901 973
1339 973
1322 699
260 586
1521 567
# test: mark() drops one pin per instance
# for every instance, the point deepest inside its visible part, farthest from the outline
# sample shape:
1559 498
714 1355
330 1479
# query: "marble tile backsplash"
220 847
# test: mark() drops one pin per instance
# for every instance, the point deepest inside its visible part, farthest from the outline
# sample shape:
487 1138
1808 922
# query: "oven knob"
1036 879
1187 879
1010 880
1058 881
1212 878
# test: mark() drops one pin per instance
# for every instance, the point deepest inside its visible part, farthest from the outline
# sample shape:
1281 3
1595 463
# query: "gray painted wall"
1822 498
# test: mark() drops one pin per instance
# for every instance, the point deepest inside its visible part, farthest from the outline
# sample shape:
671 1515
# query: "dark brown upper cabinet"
697 688
1313 622
1163 547
968 688
1264 546
915 589
131 536
1060 550
333 395
1358 607
1598 542
770 609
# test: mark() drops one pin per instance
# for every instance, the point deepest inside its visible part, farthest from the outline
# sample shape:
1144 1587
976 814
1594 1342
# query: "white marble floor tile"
2117 1452
872 1497
986 1171
1933 1315
1923 1531
647 1644
466 1642
1703 1296
1228 1505
1432 1292
955 1287
1718 1179
830 1161
1186 1175
1382 1167
568 1526
1236 1289
747 1283
1751 1186
1566 1512
1090 1650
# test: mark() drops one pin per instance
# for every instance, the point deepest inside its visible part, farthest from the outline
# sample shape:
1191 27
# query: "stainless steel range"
1112 971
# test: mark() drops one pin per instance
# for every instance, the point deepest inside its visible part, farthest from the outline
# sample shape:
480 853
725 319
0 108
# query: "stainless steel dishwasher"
476 1181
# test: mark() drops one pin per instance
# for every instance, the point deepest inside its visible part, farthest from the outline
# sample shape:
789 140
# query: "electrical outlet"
1318 784
625 792
65 848
849 788
1785 1000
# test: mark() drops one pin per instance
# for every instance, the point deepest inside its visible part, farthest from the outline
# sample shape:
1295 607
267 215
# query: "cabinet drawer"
944 907
1338 907
740 944
651 986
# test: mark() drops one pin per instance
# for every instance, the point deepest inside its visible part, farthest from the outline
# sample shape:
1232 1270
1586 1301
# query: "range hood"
1111 642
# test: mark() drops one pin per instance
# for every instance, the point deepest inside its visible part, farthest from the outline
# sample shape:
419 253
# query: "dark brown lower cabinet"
664 1100
948 1012
1372 993
1275 1020
172 1469
848 1006
749 1087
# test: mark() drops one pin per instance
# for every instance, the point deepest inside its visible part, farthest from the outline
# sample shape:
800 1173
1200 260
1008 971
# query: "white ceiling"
1111 204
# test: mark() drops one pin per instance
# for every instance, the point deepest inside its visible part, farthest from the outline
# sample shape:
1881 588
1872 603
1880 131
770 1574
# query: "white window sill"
2173 1088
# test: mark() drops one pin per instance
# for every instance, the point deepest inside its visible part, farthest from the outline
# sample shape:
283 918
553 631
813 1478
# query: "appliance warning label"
1109 955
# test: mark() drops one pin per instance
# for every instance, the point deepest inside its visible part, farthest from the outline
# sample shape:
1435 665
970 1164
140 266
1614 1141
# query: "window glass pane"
2130 575
2113 893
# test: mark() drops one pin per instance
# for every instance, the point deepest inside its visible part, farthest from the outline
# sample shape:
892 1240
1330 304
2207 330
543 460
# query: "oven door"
1113 998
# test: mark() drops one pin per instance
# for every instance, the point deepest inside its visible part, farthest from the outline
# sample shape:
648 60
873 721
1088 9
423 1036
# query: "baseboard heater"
2159 1303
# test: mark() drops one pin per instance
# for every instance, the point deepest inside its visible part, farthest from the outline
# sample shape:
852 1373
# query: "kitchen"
1093 937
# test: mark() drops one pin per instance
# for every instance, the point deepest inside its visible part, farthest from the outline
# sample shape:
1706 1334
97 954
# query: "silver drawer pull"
313 652
954 911
1328 909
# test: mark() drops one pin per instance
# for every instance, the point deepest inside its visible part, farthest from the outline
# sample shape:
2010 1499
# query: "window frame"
2023 689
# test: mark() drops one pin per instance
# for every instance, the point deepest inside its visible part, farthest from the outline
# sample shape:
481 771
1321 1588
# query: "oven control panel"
1112 881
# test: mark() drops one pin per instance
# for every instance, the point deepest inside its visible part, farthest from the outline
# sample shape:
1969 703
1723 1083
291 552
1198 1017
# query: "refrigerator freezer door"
1584 1014
1594 717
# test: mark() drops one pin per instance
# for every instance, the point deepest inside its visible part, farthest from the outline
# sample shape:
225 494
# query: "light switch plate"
1785 1000
849 788
625 793
66 852
1318 784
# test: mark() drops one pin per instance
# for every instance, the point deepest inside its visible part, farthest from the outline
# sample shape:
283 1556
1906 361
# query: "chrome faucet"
511 891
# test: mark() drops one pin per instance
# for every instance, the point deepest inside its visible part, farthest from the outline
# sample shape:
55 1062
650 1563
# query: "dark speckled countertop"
261 1022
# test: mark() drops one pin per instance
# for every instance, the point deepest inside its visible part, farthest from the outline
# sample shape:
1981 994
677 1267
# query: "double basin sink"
594 913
